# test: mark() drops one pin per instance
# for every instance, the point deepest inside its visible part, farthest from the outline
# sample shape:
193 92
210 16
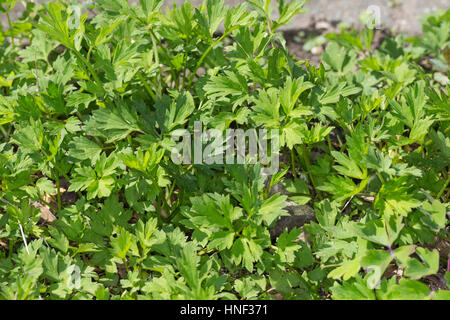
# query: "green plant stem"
172 214
89 53
444 187
58 191
269 25
5 134
380 177
204 251
11 244
330 148
90 68
184 72
156 55
200 61
171 191
155 47
293 163
146 86
305 155
165 52
109 147
166 205
63 174
11 30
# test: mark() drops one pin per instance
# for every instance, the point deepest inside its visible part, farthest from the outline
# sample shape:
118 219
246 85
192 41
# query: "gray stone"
299 215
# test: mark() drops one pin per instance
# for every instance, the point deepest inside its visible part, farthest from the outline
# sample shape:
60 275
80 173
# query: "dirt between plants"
296 40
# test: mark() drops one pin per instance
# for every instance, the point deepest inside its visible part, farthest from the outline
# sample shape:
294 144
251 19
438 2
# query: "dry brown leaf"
367 198
278 296
303 237
121 270
4 244
443 247
46 213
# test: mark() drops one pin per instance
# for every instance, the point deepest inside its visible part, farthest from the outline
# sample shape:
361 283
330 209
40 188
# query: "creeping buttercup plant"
93 207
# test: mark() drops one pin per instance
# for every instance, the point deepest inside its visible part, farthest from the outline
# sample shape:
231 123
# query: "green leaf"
188 265
216 14
56 25
402 253
113 123
266 108
346 271
338 58
231 84
291 91
144 232
250 286
435 214
377 230
58 240
303 257
122 243
221 240
44 185
245 251
239 16
375 159
81 148
292 134
348 167
441 295
271 209
430 264
172 114
98 182
342 187
284 282
352 290
407 290
376 261
213 211
394 197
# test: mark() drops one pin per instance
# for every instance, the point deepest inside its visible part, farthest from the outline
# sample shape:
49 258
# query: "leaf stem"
304 154
146 86
11 30
293 163
171 191
166 53
58 191
200 61
5 134
89 66
156 55
444 187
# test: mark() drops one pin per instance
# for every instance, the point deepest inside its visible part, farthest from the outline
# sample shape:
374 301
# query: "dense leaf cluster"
93 207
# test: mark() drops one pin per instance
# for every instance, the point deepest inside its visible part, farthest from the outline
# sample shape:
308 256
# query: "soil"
296 44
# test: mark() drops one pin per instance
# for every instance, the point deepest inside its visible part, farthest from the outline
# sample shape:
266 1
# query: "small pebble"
317 50
323 25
